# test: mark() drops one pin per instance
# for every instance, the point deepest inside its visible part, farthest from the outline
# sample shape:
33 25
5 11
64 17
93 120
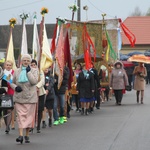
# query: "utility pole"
79 10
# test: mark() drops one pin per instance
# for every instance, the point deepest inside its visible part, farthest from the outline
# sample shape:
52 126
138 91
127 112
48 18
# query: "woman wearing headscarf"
85 87
118 81
6 81
140 73
25 96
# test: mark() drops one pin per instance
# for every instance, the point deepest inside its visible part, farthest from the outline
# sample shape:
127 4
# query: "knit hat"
26 56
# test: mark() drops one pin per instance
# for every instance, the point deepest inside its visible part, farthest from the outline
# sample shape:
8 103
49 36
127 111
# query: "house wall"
141 48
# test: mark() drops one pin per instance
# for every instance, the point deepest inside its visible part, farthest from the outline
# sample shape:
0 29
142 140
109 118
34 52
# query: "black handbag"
128 88
6 102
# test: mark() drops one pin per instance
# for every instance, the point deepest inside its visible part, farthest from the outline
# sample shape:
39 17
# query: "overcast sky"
119 8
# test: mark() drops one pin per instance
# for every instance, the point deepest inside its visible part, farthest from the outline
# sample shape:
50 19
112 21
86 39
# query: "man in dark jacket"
60 97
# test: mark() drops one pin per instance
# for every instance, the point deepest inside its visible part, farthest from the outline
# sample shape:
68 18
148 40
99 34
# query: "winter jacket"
118 77
29 91
51 93
85 85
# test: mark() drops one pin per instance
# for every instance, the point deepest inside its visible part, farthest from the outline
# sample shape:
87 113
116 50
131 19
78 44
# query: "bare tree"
136 12
148 12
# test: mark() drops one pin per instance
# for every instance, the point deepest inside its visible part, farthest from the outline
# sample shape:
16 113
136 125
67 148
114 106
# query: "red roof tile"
140 27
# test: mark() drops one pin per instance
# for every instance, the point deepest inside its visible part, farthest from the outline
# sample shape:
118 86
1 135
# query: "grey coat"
118 78
29 91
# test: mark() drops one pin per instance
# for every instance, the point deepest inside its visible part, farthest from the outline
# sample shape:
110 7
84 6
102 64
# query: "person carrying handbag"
25 96
6 81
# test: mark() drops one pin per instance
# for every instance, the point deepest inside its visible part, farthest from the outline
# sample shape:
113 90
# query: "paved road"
125 127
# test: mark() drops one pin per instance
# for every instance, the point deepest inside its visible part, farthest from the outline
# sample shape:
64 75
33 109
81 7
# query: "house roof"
140 27
17 34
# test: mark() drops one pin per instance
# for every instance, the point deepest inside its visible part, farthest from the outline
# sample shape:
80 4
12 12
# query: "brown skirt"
25 114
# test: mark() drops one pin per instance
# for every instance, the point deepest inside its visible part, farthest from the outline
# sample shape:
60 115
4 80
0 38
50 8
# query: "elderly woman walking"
25 96
140 73
118 81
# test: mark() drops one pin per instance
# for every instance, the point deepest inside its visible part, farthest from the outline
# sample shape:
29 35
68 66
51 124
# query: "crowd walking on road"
36 94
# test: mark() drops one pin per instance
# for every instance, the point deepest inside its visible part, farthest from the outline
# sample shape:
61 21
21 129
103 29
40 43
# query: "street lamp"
86 9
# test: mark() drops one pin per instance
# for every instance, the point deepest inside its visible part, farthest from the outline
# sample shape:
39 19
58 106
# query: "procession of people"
36 92
40 90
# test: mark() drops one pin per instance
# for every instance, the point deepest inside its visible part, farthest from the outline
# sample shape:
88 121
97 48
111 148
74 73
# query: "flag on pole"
55 36
46 57
24 46
67 57
87 59
110 51
87 43
35 43
59 56
107 52
119 39
10 51
53 42
128 33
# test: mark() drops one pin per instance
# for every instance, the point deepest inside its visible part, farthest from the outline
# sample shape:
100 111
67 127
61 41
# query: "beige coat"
139 82
41 84
29 93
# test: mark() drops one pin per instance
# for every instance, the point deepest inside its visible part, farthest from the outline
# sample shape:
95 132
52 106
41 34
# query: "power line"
100 10
21 5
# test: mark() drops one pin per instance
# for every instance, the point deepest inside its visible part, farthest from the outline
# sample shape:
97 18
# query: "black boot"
137 94
31 130
19 139
38 130
27 139
44 124
68 115
86 112
90 110
7 130
82 111
50 122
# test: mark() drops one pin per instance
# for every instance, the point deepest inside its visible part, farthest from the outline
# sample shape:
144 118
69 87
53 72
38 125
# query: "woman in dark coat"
50 95
85 87
97 88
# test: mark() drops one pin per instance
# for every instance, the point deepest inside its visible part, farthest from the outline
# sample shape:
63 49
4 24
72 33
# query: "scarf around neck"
86 74
23 75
